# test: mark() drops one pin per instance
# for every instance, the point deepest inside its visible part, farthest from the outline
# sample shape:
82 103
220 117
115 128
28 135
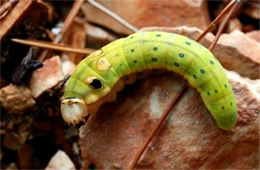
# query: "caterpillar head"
73 110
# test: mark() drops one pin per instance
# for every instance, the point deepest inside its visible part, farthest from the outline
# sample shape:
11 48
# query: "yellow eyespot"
94 82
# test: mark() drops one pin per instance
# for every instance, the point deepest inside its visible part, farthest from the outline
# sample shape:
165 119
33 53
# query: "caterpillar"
98 77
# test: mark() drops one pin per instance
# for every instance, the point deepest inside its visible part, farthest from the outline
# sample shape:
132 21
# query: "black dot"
188 43
202 71
181 55
116 55
223 107
225 85
131 37
208 93
155 48
132 50
96 84
121 64
158 35
155 70
134 61
194 76
154 59
176 64
126 78
216 91
231 103
211 62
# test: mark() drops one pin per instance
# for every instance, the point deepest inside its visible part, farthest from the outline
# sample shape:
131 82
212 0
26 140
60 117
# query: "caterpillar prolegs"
98 77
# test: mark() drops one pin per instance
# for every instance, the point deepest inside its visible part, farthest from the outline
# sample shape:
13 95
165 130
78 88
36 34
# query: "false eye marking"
94 82
103 64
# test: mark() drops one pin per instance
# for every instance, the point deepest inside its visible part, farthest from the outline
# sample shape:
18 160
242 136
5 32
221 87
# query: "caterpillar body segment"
98 76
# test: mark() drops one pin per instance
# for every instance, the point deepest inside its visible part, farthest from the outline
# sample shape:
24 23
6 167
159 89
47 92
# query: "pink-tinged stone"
239 53
16 99
189 139
143 13
46 77
254 35
60 161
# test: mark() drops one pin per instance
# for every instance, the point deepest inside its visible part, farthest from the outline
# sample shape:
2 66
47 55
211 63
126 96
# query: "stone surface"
189 139
46 77
239 53
16 99
142 13
254 35
60 161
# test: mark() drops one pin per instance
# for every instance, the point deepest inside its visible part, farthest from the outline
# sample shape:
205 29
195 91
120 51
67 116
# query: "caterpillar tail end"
73 110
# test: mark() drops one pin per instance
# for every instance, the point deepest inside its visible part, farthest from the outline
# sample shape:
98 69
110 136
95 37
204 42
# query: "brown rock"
16 99
189 139
254 35
150 13
60 161
46 77
239 53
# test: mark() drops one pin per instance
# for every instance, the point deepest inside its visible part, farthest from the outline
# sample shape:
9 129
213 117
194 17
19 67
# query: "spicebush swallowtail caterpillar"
99 76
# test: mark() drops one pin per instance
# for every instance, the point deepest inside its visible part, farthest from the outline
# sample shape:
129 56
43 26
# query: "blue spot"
154 59
176 64
202 71
211 62
181 55
188 43
155 48
194 76
158 35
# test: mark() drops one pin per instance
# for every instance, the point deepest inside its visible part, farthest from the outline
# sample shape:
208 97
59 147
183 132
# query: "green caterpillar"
98 77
